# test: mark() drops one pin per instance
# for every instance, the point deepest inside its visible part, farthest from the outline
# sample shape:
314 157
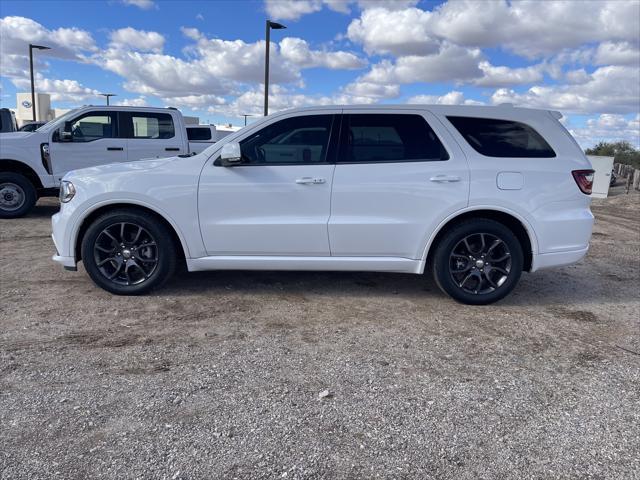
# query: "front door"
94 141
397 176
277 201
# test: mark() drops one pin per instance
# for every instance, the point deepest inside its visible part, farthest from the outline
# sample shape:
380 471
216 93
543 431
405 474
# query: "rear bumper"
557 259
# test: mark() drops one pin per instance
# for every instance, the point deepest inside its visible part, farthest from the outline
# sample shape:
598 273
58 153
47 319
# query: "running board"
348 264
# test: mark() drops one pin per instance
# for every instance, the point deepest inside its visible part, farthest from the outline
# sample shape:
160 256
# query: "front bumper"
69 263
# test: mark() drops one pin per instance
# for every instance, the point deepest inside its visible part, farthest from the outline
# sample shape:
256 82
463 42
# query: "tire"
129 260
475 274
17 195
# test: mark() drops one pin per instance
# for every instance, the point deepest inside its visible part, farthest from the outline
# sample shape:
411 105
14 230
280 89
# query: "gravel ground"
219 374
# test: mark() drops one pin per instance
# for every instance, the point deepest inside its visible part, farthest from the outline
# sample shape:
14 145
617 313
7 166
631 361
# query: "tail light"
584 179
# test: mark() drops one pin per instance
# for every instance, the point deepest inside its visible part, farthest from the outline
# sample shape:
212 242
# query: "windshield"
57 121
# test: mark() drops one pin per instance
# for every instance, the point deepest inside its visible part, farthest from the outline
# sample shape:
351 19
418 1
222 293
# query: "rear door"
398 174
152 135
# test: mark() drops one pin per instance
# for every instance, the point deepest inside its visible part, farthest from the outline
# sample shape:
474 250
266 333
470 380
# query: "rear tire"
17 195
128 252
478 262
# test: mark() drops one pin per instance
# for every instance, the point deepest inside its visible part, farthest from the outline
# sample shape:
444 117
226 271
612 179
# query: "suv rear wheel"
478 262
17 195
128 252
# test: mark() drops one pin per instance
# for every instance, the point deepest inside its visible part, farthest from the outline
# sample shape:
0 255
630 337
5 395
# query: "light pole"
275 26
33 88
245 115
107 95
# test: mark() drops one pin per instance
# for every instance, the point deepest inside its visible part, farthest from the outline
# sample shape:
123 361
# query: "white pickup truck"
33 163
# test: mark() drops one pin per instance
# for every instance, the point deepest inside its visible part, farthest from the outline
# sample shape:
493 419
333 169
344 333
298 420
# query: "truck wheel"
127 252
17 195
478 262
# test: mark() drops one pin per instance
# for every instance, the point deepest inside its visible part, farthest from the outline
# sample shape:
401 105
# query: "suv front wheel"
128 252
478 262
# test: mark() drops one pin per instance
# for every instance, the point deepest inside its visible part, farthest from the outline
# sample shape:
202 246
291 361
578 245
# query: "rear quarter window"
502 138
195 133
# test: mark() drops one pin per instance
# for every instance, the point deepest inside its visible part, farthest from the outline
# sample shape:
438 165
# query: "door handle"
172 149
310 181
445 179
115 149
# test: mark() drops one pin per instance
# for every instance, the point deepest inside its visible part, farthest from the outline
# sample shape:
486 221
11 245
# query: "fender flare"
452 217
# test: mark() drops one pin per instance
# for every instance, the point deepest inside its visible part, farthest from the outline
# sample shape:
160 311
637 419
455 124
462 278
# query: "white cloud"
535 29
618 53
142 4
194 101
137 40
60 90
132 102
502 76
397 32
291 9
452 98
450 64
16 33
294 9
608 128
611 89
298 52
371 90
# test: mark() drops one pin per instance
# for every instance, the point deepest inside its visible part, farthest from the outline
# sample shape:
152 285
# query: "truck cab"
32 164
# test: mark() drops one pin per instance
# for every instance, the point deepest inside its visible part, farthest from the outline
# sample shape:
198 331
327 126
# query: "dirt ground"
218 375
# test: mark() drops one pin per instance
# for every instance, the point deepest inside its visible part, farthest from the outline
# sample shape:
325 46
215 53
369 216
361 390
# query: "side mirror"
65 134
230 154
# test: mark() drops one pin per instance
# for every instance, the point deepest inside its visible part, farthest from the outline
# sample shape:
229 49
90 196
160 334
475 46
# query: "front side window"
371 138
502 138
298 140
152 126
90 127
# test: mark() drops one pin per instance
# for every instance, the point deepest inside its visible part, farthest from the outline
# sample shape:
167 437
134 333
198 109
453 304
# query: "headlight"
67 191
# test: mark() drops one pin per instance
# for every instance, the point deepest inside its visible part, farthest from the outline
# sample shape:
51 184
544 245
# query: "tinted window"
152 125
294 140
502 138
389 138
195 133
92 126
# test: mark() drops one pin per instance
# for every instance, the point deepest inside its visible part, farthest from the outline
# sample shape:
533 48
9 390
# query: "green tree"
622 151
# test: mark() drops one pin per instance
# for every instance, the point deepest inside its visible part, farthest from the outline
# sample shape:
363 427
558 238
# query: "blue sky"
206 57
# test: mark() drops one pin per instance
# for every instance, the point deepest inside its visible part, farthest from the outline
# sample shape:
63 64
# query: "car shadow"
552 287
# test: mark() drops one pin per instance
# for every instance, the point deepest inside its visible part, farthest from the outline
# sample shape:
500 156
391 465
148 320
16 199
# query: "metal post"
33 88
266 70
269 26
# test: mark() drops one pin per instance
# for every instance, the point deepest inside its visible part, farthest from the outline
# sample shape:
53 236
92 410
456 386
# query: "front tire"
128 252
478 262
17 195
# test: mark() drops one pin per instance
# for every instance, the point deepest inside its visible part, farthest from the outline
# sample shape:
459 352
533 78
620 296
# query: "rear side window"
502 138
370 138
199 133
152 126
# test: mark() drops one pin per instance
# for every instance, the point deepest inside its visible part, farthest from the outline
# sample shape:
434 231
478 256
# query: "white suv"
476 195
